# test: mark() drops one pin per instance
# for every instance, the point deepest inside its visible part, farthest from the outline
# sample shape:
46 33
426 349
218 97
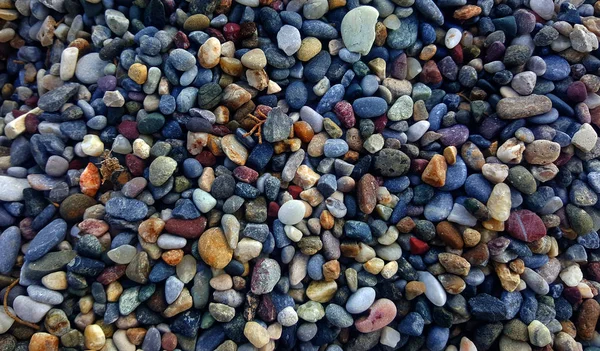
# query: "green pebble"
182 184
581 221
520 178
151 123
311 311
332 129
161 169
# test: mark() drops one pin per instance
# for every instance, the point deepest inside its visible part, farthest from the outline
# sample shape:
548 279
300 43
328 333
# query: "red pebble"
525 225
593 270
187 228
76 164
135 165
277 5
273 209
17 113
216 34
111 274
129 130
343 110
170 6
430 73
169 341
206 158
245 174
418 247
25 227
577 91
380 123
264 109
418 165
220 130
266 309
231 31
294 190
32 101
31 123
457 54
181 40
562 159
572 294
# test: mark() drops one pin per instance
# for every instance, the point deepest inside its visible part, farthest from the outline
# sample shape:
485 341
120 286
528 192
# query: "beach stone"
587 319
381 313
43 342
539 335
46 239
361 300
256 334
11 189
90 68
433 289
291 212
277 126
265 276
523 106
10 241
213 248
288 39
358 29
542 152
525 225
29 310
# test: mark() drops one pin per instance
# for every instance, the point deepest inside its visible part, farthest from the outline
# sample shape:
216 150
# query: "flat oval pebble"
292 212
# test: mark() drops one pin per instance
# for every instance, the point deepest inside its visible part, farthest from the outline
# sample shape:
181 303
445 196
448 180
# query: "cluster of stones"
314 175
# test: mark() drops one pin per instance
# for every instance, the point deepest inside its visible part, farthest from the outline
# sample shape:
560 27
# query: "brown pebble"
43 342
587 319
367 193
449 235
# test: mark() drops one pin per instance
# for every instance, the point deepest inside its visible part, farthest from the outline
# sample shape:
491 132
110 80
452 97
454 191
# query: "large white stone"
289 40
29 310
89 68
203 200
68 63
11 189
291 212
433 289
361 300
389 337
358 29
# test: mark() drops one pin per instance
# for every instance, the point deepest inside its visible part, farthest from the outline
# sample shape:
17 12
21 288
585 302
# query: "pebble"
291 212
29 310
358 29
361 300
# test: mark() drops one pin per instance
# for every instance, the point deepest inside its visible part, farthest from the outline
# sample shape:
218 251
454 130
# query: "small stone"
213 248
291 212
256 334
358 29
94 337
539 335
523 106
29 310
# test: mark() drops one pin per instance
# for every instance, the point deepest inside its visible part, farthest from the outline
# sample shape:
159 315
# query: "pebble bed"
299 175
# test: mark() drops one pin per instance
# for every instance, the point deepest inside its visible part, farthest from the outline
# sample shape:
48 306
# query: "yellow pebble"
138 73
